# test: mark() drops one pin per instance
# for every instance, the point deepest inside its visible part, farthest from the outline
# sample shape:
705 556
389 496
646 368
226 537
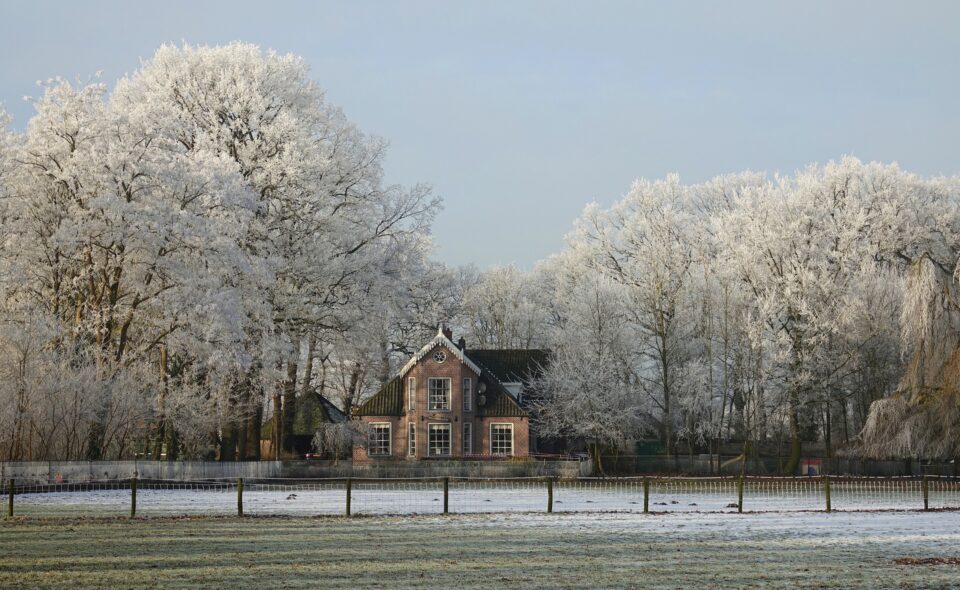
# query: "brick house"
451 402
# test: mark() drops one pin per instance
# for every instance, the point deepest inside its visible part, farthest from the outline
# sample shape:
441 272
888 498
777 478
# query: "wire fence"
308 497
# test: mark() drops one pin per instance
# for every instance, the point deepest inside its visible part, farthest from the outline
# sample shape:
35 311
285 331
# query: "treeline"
821 306
762 310
192 254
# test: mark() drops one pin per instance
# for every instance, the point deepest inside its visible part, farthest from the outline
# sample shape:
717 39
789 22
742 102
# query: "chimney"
447 332
461 343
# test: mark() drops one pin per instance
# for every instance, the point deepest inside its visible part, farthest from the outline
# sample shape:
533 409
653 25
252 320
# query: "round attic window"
439 356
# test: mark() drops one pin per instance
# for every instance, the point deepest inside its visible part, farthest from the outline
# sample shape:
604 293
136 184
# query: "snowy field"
385 498
600 550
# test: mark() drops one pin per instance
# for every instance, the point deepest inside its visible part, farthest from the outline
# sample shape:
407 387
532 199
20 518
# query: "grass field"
838 550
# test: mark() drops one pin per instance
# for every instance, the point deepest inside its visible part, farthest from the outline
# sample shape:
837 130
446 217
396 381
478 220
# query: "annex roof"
511 365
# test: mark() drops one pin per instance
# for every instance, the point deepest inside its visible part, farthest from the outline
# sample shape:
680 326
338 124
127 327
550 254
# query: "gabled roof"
493 368
312 410
386 402
439 340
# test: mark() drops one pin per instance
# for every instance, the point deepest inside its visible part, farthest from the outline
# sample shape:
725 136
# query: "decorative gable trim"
439 340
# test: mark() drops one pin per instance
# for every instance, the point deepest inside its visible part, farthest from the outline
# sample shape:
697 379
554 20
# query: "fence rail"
443 495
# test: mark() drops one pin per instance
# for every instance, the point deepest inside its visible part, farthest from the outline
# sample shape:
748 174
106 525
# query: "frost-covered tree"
588 391
500 310
644 244
758 306
798 244
921 237
324 229
210 223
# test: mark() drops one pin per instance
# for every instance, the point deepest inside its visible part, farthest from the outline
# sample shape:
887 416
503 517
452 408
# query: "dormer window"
439 356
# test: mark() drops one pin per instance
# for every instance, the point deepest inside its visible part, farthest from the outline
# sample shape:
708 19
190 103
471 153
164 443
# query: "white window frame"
438 426
373 428
467 389
445 406
467 438
412 439
512 446
412 393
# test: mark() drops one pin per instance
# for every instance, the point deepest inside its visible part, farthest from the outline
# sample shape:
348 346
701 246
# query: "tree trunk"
252 450
308 366
289 406
277 435
172 442
795 446
241 430
846 421
828 431
166 435
598 460
228 443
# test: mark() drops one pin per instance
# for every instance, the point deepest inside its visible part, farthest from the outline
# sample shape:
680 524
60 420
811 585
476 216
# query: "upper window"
439 395
379 443
438 440
467 394
440 356
412 393
501 439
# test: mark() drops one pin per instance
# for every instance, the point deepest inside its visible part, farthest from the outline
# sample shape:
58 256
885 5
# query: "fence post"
740 494
826 490
11 489
349 491
239 496
446 495
549 494
133 496
646 495
926 493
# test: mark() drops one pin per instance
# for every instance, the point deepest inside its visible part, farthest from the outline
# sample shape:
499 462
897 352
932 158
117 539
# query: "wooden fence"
446 495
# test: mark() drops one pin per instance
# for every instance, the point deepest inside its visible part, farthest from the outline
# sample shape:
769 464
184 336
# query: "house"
312 410
451 402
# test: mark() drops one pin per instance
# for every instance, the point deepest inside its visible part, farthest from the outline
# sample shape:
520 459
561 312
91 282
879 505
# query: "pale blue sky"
520 113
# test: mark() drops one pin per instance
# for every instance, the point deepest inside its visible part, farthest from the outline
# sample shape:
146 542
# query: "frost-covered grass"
676 550
394 498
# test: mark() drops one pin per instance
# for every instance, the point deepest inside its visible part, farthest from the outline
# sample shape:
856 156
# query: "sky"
520 113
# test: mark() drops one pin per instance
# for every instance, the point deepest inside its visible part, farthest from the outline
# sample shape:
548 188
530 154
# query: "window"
439 393
467 438
439 440
501 439
412 393
467 394
439 356
412 439
379 439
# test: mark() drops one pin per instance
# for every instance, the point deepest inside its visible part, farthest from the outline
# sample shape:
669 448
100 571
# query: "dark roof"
511 365
312 410
496 400
497 367
386 402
